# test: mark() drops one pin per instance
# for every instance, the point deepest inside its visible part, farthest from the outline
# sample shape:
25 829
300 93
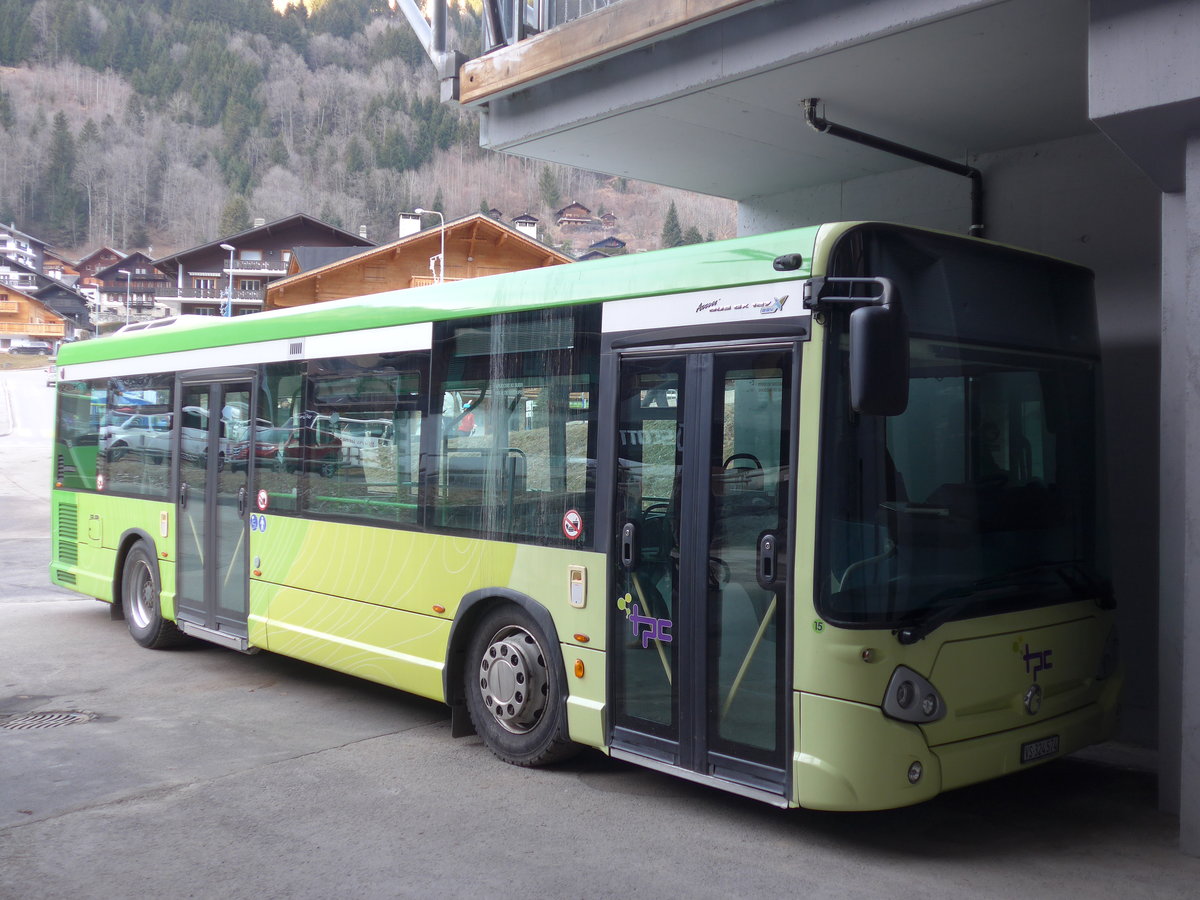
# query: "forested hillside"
162 124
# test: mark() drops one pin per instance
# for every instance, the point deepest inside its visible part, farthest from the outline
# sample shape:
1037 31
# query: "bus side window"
516 440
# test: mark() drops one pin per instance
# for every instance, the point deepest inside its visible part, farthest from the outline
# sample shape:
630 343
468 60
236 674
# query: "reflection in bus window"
136 442
516 440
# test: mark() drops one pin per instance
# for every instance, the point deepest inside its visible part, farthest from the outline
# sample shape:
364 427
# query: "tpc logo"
1036 661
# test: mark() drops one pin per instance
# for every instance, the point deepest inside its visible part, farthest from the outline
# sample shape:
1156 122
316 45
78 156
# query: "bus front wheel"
514 694
140 594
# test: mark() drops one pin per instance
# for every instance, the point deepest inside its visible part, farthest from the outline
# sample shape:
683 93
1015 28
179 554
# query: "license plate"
1035 750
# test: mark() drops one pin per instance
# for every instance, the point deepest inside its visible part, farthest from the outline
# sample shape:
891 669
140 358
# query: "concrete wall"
1079 199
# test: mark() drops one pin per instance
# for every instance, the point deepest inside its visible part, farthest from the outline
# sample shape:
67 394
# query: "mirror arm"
823 293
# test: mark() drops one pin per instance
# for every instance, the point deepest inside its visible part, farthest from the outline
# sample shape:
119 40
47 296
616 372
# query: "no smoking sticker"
263 499
572 524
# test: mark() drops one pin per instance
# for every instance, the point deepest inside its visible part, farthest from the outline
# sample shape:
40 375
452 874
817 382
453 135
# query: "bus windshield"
982 497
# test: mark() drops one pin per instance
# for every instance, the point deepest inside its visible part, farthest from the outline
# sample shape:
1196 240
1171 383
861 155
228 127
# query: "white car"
141 434
151 435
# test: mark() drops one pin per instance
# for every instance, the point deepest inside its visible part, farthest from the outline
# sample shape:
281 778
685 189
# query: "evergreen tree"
61 201
548 185
356 157
672 233
235 217
692 236
16 35
7 116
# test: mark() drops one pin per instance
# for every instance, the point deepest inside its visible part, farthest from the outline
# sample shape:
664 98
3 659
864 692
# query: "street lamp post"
437 264
227 306
127 275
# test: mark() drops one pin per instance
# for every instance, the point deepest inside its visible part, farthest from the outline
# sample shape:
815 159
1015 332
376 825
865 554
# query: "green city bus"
814 517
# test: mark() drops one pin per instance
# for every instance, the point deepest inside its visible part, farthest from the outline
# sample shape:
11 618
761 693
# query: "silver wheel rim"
514 680
140 596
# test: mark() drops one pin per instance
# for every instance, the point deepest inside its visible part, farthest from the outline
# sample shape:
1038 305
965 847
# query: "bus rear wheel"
140 598
514 693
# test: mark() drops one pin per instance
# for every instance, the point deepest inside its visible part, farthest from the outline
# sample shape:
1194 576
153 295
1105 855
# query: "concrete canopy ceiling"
717 109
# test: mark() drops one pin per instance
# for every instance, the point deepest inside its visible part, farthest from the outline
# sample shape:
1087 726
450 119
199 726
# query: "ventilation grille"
67 549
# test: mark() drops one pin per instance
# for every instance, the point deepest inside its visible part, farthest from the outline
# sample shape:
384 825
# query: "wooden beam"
606 32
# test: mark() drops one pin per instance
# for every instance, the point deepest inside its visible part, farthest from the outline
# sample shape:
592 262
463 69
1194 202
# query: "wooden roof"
476 245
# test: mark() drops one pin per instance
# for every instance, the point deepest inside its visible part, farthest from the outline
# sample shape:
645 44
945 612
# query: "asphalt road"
200 773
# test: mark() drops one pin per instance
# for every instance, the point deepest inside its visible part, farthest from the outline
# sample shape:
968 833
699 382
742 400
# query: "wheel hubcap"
140 593
513 680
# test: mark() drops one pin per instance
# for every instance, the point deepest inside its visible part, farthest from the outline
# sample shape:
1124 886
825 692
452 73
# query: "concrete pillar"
1181 421
1179 605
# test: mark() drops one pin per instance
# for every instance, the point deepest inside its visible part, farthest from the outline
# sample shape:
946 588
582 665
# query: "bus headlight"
911 698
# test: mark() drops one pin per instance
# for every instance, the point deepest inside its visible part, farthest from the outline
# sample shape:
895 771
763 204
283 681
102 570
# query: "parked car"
139 433
269 444
35 348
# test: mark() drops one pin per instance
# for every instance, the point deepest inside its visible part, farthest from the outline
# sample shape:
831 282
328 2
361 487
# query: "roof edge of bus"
706 266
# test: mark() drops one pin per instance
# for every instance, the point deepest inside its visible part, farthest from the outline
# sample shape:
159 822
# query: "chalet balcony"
210 295
275 267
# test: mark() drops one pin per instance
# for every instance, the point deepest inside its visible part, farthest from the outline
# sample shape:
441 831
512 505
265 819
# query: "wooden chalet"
476 245
24 319
609 246
59 267
200 278
575 217
122 296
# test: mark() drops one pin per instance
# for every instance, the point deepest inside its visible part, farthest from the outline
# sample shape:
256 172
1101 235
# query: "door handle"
628 545
768 561
183 495
242 500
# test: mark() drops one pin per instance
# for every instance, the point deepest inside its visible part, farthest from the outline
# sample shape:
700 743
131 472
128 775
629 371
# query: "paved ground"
205 773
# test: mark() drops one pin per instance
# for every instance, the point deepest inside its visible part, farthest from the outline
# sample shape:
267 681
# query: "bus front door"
699 643
212 506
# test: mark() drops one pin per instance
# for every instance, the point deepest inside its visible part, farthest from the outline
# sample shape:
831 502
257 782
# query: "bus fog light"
915 771
905 694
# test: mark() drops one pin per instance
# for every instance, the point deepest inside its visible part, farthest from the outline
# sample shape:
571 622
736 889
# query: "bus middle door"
212 577
698 678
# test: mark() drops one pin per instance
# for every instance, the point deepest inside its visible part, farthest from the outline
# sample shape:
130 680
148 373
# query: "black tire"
116 452
328 469
514 692
141 601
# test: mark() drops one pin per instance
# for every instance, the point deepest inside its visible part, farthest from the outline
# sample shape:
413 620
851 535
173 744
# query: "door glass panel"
193 478
747 535
233 427
650 459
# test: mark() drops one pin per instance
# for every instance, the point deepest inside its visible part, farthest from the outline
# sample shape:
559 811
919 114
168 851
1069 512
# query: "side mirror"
879 357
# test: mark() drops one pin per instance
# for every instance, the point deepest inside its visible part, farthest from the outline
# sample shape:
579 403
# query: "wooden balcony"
33 329
602 33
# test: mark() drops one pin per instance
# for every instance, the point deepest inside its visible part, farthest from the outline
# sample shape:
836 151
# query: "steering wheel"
737 456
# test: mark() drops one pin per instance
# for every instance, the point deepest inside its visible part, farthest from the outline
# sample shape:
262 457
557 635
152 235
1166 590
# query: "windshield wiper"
920 623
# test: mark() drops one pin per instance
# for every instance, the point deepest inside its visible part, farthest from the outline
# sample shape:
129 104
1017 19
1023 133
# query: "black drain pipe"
869 140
